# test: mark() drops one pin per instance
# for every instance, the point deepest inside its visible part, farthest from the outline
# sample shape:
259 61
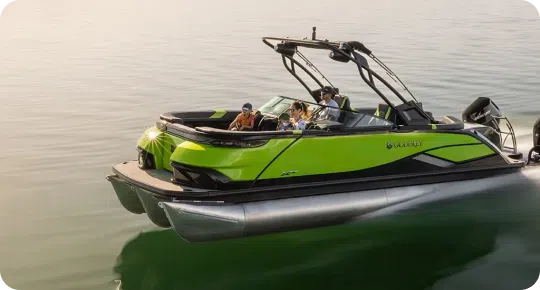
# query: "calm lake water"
81 80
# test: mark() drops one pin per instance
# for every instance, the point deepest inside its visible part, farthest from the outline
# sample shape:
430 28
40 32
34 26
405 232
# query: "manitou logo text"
478 116
403 144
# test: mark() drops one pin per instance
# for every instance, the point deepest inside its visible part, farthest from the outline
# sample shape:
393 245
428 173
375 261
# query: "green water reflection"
382 255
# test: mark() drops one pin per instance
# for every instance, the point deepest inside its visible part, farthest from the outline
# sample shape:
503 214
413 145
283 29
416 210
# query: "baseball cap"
247 106
328 89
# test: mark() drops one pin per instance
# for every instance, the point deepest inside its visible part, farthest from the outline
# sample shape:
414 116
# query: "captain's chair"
385 112
344 104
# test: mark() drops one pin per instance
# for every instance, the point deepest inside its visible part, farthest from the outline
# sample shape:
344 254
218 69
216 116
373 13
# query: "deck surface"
160 179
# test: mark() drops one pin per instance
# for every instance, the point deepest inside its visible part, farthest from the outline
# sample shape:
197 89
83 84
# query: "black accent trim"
187 117
197 119
489 160
207 134
272 192
468 161
204 178
276 192
438 128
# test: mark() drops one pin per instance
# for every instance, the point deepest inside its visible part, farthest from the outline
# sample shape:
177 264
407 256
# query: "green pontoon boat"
210 183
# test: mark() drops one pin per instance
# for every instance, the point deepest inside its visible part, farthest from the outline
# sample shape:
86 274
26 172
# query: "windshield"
325 117
276 106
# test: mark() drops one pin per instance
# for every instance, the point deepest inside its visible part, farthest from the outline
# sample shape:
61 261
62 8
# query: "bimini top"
409 112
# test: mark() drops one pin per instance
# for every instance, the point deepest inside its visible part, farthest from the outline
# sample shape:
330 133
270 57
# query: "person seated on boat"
284 122
245 120
299 115
327 94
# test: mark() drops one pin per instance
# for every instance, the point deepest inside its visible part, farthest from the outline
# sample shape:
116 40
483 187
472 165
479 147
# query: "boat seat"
267 123
257 121
344 104
385 112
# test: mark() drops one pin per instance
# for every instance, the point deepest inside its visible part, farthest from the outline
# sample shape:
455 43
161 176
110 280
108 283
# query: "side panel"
239 164
462 153
326 155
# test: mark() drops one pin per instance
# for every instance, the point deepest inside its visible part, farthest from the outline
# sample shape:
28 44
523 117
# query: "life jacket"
285 127
243 120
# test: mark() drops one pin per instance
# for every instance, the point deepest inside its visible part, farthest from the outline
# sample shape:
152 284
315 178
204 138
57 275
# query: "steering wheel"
315 114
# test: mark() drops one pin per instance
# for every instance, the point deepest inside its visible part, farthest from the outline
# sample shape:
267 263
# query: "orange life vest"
242 120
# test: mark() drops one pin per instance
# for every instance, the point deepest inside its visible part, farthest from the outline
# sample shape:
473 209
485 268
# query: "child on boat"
284 122
244 120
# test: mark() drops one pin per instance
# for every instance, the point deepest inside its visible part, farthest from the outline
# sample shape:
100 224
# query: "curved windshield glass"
325 117
276 106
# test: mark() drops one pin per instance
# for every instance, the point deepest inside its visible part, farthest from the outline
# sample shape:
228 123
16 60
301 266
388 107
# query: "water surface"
81 80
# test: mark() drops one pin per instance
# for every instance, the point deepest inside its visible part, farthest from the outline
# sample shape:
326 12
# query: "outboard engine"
536 144
483 111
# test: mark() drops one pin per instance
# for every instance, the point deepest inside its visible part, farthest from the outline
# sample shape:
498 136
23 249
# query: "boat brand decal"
403 144
288 173
477 116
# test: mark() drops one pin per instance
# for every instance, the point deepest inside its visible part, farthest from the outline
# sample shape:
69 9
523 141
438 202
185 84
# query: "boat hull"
138 200
200 222
199 216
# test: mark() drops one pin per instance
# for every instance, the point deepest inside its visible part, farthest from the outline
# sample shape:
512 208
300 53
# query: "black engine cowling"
534 153
536 133
482 111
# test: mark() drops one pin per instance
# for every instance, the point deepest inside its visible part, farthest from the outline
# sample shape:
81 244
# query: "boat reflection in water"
435 247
